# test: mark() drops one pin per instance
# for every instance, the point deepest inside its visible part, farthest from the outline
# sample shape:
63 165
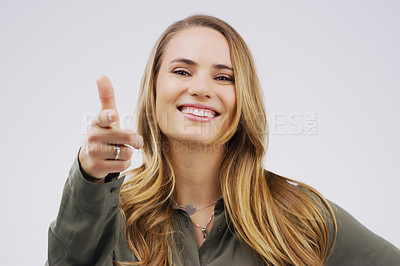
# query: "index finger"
106 93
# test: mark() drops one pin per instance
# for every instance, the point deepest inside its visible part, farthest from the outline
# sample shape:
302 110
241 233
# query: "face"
195 89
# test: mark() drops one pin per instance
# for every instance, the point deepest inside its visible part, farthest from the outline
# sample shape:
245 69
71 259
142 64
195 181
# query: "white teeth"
198 112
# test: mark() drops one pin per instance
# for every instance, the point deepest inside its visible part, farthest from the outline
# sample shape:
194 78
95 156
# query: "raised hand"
108 148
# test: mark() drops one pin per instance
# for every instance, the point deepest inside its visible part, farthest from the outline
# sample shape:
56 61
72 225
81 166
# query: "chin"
193 142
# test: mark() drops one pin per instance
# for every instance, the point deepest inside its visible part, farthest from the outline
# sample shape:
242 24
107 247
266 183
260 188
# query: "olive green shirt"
88 231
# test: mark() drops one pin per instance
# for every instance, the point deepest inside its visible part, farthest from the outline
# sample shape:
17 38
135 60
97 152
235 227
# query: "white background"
338 59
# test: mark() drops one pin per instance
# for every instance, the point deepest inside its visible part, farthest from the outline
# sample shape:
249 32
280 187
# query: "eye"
181 72
225 78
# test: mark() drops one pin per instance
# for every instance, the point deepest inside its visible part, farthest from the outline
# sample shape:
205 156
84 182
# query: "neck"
196 173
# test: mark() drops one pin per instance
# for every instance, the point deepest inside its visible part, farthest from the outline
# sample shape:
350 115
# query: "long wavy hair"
284 223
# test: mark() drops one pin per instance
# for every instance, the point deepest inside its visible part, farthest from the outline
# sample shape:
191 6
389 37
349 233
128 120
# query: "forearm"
87 226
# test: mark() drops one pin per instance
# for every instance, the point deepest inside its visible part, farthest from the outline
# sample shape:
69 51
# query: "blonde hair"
283 223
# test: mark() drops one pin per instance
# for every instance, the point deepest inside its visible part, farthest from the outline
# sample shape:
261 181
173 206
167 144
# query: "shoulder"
356 245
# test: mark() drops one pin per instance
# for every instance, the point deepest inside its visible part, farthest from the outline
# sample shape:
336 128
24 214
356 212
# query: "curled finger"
106 118
110 151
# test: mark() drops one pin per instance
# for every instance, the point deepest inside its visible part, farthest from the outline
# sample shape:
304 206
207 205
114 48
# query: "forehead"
200 44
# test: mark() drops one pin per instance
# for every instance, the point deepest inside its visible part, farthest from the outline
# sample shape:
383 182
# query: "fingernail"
109 116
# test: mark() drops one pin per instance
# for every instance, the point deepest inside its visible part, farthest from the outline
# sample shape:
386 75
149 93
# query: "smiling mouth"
199 112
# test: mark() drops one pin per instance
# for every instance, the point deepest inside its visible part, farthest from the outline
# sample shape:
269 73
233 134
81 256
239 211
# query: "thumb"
106 93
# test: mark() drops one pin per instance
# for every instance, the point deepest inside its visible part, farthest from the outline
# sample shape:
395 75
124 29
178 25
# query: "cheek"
161 112
166 95
230 102
166 88
160 98
162 93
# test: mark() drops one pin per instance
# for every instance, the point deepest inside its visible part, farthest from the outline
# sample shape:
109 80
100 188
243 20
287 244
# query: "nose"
200 87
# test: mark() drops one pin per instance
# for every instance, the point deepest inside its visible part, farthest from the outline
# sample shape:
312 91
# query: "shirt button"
219 228
186 223
113 190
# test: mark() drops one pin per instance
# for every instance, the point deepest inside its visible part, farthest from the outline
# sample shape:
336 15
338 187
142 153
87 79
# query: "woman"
201 196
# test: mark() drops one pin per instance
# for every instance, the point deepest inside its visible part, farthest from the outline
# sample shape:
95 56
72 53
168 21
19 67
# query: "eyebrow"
221 66
186 61
193 63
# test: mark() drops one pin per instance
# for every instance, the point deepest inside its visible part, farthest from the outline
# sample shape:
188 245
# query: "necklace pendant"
203 230
190 209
